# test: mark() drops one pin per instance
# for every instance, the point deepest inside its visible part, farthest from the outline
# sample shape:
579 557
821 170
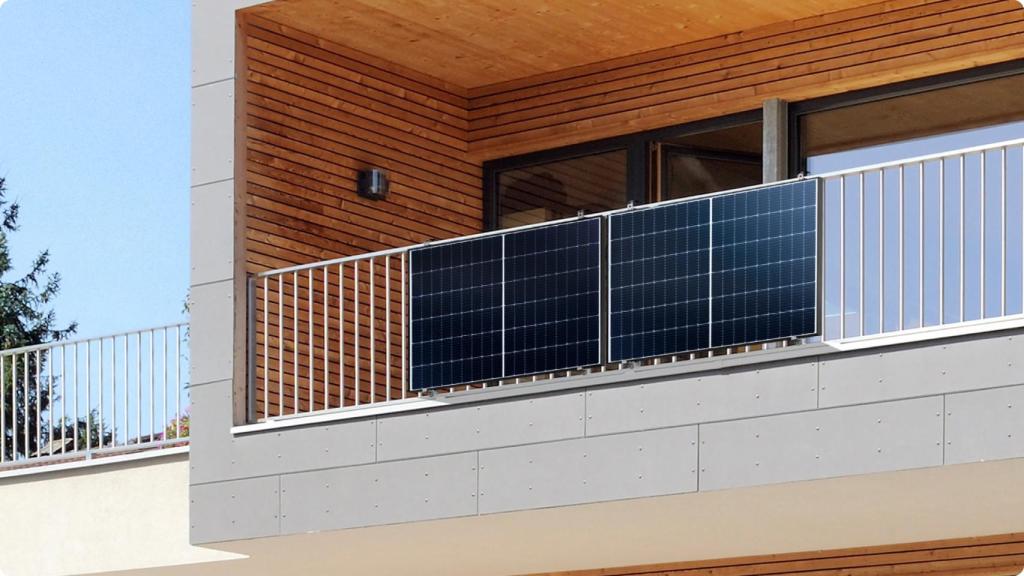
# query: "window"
710 161
560 189
673 162
907 125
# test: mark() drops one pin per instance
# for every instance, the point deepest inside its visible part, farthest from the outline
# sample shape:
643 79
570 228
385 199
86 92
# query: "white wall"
101 518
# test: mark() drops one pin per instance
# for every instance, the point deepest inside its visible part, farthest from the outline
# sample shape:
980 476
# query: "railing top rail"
64 343
919 159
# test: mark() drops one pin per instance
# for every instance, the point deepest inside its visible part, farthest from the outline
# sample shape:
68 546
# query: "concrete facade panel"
481 426
213 114
735 393
951 366
212 214
213 39
596 469
821 444
387 493
985 425
234 510
210 333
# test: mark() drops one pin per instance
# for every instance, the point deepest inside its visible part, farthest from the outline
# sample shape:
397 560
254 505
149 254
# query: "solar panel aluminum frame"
818 272
601 283
601 286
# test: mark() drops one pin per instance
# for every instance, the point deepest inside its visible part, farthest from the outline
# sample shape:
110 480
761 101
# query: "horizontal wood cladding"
315 114
813 57
1001 555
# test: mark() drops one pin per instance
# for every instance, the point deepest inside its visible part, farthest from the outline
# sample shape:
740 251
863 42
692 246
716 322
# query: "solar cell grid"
764 281
552 297
456 313
659 280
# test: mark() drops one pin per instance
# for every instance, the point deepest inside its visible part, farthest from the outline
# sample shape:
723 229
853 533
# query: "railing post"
250 350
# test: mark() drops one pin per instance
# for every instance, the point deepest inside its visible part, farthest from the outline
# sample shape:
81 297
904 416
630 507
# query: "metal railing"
334 335
931 241
92 397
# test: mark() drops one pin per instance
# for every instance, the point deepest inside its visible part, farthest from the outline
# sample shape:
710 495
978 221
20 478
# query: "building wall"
760 418
126 516
724 423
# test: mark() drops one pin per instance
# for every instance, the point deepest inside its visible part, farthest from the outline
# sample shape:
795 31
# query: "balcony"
93 400
909 250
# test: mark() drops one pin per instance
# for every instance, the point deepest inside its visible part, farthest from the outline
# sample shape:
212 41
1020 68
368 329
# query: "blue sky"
94 143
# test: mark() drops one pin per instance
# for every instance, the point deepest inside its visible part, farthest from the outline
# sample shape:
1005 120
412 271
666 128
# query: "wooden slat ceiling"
482 42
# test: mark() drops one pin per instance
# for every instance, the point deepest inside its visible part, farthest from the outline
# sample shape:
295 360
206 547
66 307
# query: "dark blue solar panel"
553 297
456 291
659 280
764 278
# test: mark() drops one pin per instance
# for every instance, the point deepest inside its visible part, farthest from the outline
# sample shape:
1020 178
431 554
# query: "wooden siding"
1001 555
809 58
313 112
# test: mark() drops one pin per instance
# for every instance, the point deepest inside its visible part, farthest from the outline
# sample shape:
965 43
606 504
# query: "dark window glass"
561 189
911 125
710 161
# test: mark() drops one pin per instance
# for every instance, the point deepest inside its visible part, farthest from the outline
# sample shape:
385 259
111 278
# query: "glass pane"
561 189
913 125
693 175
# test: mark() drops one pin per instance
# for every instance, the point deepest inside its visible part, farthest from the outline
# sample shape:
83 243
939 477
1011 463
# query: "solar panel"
659 280
553 297
764 254
456 328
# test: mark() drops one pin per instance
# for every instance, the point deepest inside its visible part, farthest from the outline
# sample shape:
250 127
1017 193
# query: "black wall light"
373 184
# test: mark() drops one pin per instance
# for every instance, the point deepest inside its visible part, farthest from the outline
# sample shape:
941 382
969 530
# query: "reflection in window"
561 189
711 161
912 125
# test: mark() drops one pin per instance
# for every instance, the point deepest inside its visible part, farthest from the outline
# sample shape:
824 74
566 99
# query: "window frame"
638 146
797 110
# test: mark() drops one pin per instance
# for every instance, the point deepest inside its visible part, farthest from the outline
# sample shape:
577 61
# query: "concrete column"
775 154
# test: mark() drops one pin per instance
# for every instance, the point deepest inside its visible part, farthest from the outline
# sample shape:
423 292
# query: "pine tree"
27 320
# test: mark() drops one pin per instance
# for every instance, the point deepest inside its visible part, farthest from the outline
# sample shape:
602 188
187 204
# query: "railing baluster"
902 233
861 245
266 348
963 236
127 385
1002 232
39 415
355 322
113 391
3 411
88 397
177 380
138 387
842 257
983 259
920 245
295 342
372 333
387 327
404 320
312 343
341 335
99 367
327 340
942 241
881 251
280 345
74 417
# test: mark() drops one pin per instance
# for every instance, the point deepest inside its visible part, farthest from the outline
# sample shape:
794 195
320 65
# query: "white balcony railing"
929 242
90 398
907 246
